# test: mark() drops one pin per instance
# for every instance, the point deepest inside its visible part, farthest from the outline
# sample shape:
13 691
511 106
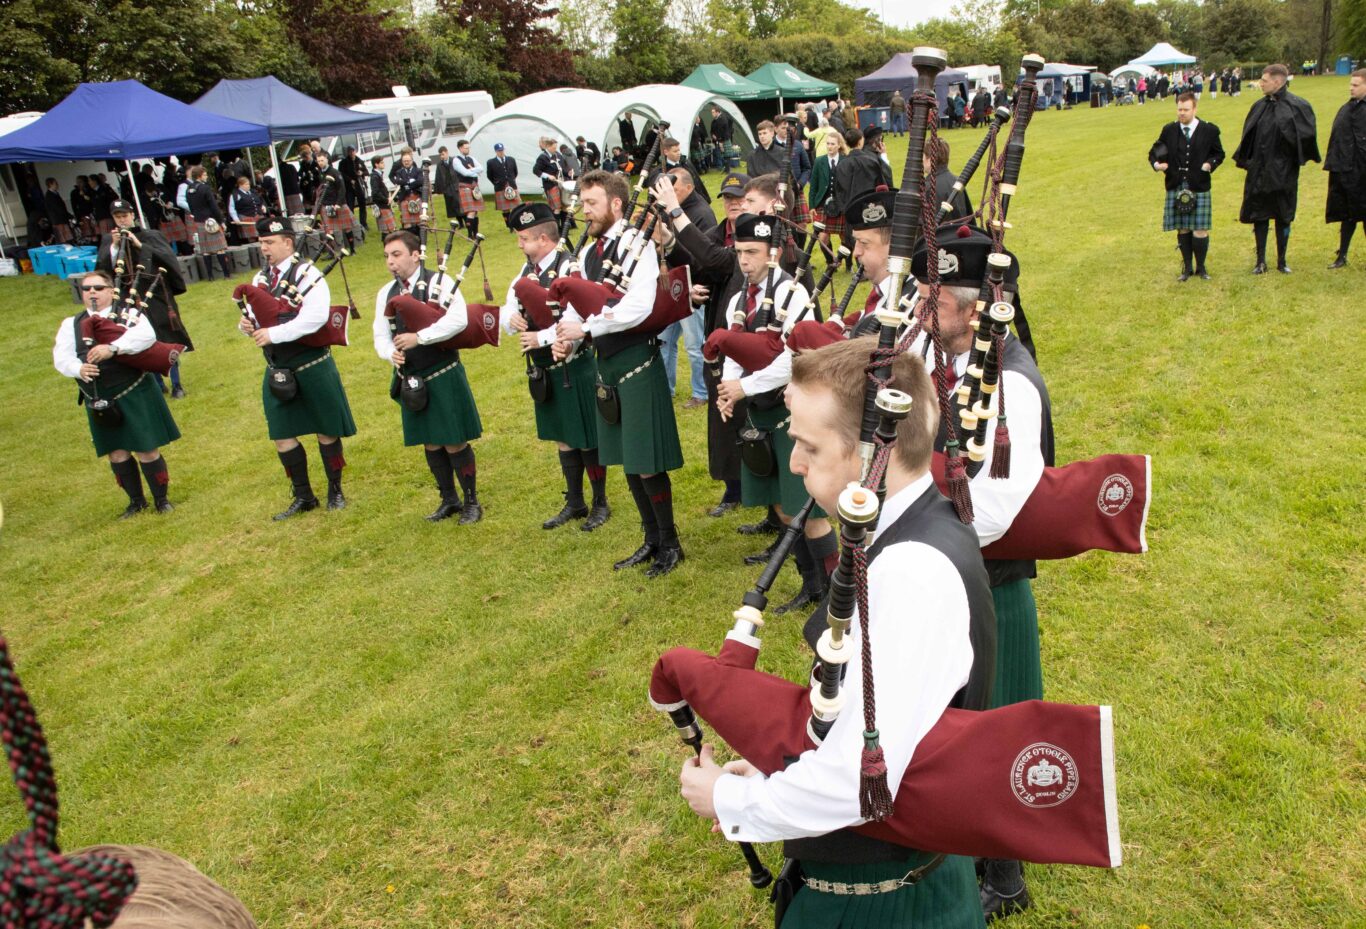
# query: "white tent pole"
279 179
133 189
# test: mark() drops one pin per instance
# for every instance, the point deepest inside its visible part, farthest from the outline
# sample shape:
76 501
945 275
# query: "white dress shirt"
635 305
453 322
779 371
511 305
921 657
138 338
316 307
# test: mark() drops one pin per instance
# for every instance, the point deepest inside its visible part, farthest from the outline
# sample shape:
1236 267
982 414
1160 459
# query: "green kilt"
947 899
569 415
1201 218
320 406
147 422
645 441
782 487
451 417
1019 671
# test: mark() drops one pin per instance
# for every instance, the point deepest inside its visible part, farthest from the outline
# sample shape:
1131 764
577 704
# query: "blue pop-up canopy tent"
286 112
123 120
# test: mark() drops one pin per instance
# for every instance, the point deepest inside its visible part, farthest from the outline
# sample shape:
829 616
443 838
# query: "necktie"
871 303
597 247
751 302
1187 130
403 286
274 278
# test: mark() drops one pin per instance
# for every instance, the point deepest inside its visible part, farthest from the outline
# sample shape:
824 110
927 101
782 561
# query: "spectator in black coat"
722 128
672 157
857 173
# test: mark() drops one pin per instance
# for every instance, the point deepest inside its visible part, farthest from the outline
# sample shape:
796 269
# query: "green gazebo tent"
791 83
722 81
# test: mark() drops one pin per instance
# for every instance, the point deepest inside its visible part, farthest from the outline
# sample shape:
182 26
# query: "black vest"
608 345
420 357
281 352
932 521
114 374
543 357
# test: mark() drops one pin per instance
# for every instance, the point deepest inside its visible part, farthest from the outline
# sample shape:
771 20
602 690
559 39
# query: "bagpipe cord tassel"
1000 452
956 476
875 796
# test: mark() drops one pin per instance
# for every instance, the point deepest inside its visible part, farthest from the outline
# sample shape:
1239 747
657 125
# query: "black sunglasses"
94 287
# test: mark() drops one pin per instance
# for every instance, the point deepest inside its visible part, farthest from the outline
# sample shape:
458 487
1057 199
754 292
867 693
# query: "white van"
980 75
425 123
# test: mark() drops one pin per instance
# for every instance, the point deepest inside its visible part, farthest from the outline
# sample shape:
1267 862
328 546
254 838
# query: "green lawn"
364 720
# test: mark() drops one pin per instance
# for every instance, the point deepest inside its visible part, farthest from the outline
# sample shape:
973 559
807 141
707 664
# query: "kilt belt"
578 352
632 373
435 374
840 888
316 361
129 389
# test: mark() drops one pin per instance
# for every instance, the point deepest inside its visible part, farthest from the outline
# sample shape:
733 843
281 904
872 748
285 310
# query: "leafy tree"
354 49
1241 30
645 40
510 36
1352 28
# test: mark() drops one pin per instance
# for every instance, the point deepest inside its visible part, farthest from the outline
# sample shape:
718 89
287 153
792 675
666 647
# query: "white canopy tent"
1132 71
1161 55
679 106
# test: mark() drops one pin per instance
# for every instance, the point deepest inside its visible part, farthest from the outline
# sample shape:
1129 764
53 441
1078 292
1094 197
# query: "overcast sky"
905 12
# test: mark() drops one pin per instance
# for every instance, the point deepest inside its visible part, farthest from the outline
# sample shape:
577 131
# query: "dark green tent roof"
791 83
722 81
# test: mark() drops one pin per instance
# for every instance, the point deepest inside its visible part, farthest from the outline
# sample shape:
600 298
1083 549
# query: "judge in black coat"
353 175
148 248
1188 151
671 156
1346 166
57 213
588 153
627 128
1278 138
722 128
857 173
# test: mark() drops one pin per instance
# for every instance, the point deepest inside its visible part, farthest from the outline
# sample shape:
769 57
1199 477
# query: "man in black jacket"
502 174
1279 136
1188 150
447 184
1346 166
671 154
588 153
856 174
353 175
722 128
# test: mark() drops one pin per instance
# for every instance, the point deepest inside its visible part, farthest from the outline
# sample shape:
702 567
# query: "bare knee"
285 445
149 457
118 456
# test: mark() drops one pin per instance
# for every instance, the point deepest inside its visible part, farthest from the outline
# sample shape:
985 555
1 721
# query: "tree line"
344 50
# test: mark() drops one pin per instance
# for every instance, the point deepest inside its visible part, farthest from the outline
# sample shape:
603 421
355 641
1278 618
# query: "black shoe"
597 517
446 510
646 553
1339 262
565 515
808 596
995 906
335 500
1006 873
133 509
1185 276
1202 274
762 557
666 559
724 507
296 506
1283 268
178 393
164 506
1259 268
764 526
472 512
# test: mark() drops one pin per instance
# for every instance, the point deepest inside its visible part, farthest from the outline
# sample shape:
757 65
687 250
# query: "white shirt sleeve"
64 350
636 303
779 371
379 329
232 208
470 174
997 501
510 306
138 338
455 319
921 657
181 200
312 315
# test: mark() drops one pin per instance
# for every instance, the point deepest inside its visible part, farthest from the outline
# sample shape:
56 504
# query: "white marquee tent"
1163 54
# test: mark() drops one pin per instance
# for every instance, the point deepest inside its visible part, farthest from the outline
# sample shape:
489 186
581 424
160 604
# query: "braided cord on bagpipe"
39 888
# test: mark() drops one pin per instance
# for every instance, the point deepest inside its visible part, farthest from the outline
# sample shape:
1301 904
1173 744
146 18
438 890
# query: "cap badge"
763 230
874 213
948 264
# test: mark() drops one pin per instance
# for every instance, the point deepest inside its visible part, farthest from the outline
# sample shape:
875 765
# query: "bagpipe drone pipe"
414 312
99 330
1031 781
264 309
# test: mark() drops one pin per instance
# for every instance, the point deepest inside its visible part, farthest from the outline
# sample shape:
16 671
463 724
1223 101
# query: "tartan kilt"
321 405
384 221
337 220
834 225
471 200
801 213
1019 669
173 228
554 198
502 202
569 415
410 211
645 440
87 224
62 232
783 488
147 422
208 244
451 417
294 203
246 228
1201 218
104 225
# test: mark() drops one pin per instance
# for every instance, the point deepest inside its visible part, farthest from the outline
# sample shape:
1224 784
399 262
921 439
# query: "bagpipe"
264 309
100 330
413 313
1031 781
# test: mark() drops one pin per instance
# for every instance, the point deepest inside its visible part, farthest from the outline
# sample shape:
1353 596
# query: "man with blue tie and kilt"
1188 151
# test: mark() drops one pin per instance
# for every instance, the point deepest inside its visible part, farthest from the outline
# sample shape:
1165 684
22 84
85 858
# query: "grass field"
364 720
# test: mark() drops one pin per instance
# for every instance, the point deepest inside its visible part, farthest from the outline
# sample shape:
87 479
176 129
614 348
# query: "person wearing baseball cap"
502 175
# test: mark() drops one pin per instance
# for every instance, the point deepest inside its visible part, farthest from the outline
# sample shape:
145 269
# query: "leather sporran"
609 404
1185 202
756 451
785 887
105 412
412 392
284 386
538 384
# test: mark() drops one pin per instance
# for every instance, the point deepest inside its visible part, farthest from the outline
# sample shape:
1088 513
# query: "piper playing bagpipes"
301 390
128 417
562 391
636 425
436 404
337 218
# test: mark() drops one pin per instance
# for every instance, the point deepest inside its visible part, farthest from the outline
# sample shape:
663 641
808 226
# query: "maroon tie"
751 302
403 286
871 303
597 247
274 277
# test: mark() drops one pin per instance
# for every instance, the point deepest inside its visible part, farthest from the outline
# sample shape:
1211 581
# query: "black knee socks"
1201 246
333 462
597 475
126 475
295 462
571 463
826 551
157 477
1345 237
1282 241
1259 230
463 463
1183 241
660 490
472 223
223 260
440 465
644 507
